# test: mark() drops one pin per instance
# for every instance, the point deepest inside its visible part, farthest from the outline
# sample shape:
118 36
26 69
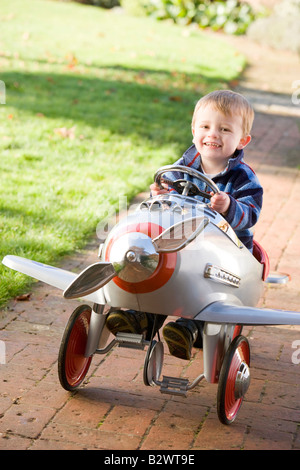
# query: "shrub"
232 16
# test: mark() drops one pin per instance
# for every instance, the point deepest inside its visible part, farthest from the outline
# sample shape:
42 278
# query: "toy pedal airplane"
177 257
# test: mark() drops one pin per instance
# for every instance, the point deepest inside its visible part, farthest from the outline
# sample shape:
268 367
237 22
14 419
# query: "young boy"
221 127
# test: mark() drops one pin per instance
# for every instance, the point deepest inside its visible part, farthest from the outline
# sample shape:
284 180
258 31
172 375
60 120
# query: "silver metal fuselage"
215 266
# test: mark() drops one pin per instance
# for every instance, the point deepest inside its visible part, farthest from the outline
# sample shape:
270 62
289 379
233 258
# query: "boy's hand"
155 189
220 202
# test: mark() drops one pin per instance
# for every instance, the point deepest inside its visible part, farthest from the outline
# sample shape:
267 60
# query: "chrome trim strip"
221 275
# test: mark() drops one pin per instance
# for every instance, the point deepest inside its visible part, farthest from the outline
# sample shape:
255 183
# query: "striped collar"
192 158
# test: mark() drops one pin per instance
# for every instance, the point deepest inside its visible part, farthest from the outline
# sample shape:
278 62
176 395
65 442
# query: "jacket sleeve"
174 175
245 202
190 158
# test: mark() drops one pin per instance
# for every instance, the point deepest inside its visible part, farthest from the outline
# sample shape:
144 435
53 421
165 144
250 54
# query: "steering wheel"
185 187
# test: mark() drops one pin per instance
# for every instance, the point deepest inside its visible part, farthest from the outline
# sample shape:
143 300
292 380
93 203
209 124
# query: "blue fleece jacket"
240 182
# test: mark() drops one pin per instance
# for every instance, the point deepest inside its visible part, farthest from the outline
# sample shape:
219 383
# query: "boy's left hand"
156 189
220 202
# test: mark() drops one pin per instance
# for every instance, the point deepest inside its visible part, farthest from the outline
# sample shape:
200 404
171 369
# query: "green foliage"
134 7
232 16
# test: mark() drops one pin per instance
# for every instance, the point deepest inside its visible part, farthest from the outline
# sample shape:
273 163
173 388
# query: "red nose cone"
165 267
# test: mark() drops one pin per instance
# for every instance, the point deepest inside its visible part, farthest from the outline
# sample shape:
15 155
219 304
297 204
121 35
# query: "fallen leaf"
66 133
234 83
23 297
72 61
110 91
26 36
175 98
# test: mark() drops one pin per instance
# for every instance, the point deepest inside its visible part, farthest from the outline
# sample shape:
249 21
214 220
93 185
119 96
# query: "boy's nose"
213 133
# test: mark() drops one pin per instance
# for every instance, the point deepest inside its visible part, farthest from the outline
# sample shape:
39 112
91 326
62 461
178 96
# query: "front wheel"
72 363
234 379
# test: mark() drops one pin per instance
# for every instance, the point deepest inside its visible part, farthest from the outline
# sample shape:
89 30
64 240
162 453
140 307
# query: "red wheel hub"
232 404
234 379
76 364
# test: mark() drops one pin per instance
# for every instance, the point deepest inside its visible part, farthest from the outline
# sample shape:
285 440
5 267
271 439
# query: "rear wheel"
72 363
234 379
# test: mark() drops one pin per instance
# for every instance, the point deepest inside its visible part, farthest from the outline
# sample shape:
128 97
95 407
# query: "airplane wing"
55 277
220 312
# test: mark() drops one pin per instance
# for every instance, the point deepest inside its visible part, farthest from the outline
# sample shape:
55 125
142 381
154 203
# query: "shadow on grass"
151 109
155 105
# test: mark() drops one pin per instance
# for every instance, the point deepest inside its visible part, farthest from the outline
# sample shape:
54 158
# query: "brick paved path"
114 410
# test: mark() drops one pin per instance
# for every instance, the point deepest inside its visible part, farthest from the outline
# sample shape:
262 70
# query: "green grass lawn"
96 101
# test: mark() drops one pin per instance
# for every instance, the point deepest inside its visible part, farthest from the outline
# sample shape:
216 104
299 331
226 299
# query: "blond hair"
228 102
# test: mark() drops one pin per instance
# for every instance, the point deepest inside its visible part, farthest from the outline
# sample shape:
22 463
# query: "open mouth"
212 144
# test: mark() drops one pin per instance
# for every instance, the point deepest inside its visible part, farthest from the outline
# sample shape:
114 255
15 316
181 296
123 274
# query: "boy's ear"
243 142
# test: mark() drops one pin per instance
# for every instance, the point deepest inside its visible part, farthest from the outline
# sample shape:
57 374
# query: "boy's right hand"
156 189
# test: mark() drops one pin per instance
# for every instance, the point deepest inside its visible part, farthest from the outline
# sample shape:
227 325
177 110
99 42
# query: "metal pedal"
131 340
174 386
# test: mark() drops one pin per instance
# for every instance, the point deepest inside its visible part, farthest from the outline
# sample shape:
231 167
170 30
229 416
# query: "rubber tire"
227 405
72 364
237 331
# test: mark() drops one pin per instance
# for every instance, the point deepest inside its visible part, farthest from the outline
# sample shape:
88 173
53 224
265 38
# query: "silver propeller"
179 235
91 279
134 257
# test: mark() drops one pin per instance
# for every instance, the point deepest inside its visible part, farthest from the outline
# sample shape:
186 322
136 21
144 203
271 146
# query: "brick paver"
113 409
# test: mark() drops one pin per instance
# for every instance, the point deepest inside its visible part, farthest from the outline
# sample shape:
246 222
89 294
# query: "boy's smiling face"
217 136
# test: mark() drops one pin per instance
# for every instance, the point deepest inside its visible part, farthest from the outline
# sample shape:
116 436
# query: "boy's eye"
225 129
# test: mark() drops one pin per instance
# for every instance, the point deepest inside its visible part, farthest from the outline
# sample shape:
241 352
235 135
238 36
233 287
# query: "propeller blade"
91 279
179 235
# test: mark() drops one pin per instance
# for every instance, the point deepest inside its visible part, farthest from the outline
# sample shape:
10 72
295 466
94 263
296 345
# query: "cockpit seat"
262 257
